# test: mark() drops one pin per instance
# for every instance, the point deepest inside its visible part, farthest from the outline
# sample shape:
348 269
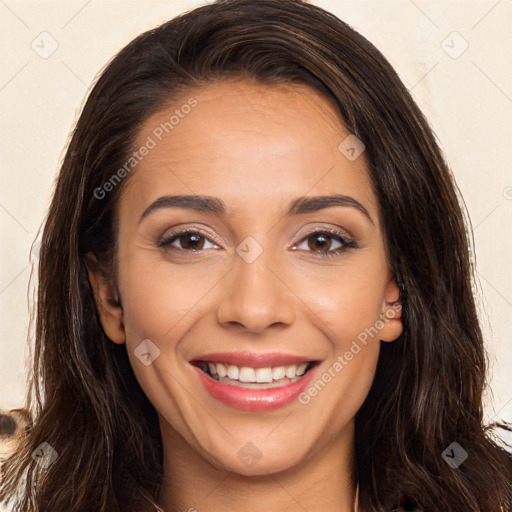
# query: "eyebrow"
209 204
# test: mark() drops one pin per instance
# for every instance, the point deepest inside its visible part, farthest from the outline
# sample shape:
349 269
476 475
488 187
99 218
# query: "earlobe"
391 316
109 307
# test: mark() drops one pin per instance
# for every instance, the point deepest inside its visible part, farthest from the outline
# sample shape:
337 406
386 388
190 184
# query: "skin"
256 147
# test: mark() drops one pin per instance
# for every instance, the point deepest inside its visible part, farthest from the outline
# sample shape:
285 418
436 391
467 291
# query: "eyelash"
338 235
346 242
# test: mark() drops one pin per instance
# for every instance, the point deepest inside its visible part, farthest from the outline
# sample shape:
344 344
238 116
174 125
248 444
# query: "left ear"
107 301
391 316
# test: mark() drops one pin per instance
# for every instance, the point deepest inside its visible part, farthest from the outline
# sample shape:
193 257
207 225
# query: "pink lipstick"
254 381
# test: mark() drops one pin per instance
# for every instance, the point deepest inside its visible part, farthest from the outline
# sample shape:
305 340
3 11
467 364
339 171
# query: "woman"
254 286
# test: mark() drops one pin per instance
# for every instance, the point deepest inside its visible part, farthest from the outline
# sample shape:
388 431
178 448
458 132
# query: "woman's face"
241 281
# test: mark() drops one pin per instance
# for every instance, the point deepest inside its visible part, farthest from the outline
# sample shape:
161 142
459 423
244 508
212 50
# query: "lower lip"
254 399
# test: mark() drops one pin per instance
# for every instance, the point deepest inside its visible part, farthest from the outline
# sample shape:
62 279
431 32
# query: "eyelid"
180 230
342 233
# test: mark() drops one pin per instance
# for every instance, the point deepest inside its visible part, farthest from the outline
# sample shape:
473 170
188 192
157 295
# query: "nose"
256 297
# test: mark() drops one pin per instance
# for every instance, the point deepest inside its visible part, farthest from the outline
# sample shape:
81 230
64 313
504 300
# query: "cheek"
347 312
159 305
348 318
346 306
157 298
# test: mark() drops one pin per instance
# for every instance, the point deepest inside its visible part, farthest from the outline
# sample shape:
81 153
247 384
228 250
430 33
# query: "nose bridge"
255 296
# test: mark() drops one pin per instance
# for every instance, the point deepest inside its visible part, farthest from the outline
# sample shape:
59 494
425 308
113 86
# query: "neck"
324 481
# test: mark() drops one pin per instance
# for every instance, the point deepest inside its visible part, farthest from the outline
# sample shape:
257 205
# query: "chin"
253 459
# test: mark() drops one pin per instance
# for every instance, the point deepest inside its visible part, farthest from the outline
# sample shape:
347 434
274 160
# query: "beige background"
467 95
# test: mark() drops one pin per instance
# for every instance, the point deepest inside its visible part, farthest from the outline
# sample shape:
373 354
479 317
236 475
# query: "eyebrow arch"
209 204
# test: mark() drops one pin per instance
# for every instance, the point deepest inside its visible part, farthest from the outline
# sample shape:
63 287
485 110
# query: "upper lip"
253 359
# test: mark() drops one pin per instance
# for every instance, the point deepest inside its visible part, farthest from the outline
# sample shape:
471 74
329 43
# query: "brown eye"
188 241
191 241
319 241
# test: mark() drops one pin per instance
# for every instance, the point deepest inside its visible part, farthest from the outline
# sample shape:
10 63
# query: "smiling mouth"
255 378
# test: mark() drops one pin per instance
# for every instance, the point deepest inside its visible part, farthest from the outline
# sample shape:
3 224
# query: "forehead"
246 142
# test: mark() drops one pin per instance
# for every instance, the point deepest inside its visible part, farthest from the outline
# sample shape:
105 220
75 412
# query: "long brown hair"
84 400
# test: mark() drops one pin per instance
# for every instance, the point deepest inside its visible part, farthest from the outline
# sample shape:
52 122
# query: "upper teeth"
248 374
